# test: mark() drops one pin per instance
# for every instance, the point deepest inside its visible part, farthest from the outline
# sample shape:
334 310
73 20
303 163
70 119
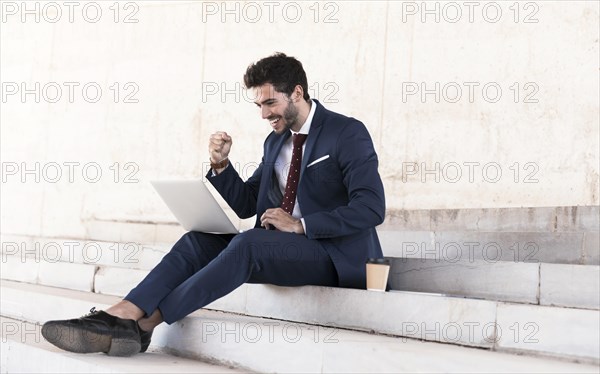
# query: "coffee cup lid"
381 261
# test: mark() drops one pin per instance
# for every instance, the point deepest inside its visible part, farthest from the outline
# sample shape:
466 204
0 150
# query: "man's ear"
298 92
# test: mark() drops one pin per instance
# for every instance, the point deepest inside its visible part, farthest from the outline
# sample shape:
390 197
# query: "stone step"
275 345
469 322
528 219
566 285
130 255
577 248
534 283
568 219
574 286
24 350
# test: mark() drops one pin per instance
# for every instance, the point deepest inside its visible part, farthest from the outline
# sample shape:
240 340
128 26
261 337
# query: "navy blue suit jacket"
341 197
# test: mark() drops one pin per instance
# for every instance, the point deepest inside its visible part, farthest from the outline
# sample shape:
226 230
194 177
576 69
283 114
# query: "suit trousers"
201 268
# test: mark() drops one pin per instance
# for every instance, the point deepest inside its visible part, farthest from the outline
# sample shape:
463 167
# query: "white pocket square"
318 160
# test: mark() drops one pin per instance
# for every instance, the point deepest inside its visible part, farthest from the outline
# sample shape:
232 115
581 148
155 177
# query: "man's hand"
281 220
219 146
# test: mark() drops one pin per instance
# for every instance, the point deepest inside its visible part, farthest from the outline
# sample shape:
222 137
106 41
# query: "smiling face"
278 108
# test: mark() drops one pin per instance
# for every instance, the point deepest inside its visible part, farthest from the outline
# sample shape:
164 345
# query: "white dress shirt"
282 164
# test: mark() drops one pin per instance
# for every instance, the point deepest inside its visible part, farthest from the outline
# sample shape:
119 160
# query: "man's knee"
193 236
189 240
198 242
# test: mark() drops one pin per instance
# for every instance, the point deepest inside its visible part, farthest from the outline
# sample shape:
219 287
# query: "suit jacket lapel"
313 135
272 156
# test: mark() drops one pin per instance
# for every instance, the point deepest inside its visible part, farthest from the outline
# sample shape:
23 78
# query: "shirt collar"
306 126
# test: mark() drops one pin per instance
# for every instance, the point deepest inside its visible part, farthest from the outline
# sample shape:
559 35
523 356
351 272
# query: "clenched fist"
219 146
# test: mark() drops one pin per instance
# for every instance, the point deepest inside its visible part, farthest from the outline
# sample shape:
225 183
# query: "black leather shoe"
145 338
97 331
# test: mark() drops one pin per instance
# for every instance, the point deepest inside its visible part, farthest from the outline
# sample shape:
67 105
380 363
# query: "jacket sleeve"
241 196
366 206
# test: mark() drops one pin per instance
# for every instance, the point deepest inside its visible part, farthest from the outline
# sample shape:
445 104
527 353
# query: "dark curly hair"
283 72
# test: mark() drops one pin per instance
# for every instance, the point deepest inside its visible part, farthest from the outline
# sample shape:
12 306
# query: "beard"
290 116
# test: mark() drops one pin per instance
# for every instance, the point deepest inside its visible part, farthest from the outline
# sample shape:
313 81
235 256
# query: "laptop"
194 206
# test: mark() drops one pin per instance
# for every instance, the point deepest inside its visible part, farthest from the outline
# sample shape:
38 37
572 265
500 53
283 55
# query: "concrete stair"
565 285
249 343
578 248
523 281
113 268
528 219
24 350
476 322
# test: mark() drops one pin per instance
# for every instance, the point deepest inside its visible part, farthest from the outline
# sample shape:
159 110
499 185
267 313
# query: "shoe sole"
80 340
145 340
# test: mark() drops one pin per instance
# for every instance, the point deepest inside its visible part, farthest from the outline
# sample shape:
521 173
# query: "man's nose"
266 113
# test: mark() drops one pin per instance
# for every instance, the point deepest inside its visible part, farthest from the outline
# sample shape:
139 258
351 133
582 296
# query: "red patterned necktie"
291 186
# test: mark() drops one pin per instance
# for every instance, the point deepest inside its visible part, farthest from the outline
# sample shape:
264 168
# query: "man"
317 197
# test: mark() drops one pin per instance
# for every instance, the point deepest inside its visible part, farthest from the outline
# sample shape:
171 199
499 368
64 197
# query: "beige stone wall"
470 104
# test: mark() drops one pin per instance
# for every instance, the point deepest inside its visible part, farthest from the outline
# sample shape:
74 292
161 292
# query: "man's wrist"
218 167
300 227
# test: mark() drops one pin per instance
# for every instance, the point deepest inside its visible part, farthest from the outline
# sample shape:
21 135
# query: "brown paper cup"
378 270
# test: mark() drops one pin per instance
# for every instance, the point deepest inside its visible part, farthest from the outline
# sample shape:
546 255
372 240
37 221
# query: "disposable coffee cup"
378 270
